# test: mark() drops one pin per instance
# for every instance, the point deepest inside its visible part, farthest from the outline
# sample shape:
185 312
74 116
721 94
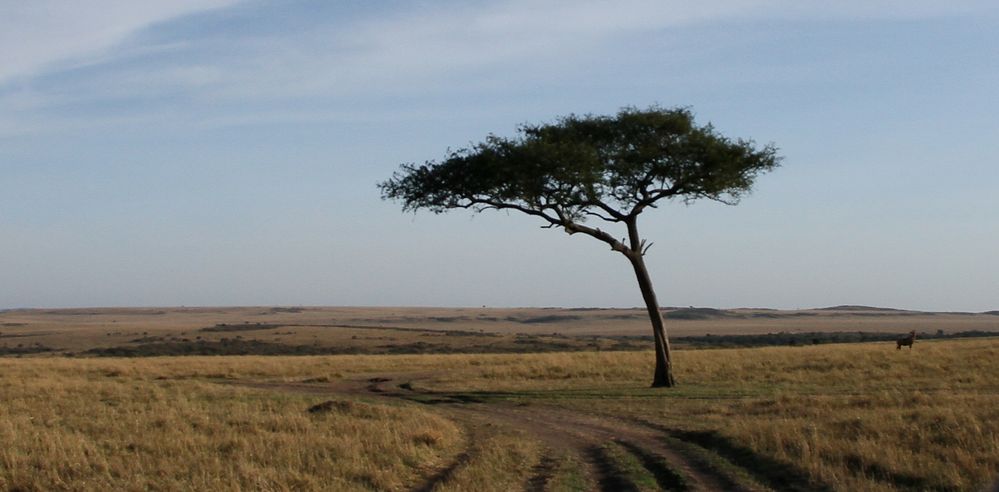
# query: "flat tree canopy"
583 168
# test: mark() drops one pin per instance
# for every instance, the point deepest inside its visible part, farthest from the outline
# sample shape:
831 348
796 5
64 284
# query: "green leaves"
611 167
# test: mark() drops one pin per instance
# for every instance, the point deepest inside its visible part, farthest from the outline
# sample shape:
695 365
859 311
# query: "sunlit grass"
854 417
107 426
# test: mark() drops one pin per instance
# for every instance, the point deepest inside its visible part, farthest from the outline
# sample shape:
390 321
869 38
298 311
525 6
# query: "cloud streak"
416 51
43 34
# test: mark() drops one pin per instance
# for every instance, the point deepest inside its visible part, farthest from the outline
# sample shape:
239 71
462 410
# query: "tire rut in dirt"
444 474
666 477
463 458
556 438
671 468
768 471
695 473
577 434
542 473
608 477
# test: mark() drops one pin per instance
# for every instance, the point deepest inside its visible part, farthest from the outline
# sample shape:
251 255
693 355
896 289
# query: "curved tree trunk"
663 377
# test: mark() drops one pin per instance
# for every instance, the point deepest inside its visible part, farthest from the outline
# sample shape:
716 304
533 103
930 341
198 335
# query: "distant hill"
851 307
694 313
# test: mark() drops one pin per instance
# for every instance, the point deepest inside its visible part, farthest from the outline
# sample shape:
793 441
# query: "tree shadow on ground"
769 471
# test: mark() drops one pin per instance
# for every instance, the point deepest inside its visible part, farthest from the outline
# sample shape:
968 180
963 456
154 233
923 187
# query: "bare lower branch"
497 205
646 248
573 228
618 216
732 201
600 216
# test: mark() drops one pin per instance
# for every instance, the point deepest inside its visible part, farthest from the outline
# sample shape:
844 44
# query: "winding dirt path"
578 433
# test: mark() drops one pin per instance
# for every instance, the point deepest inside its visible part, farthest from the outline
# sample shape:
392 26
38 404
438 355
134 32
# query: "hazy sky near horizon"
226 152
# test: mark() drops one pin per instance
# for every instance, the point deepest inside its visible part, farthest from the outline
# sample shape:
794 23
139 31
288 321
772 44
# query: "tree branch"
734 201
645 247
494 204
573 227
652 196
618 216
600 216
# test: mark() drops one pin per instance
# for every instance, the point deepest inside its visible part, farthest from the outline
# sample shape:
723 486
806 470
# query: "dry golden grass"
89 425
498 464
852 417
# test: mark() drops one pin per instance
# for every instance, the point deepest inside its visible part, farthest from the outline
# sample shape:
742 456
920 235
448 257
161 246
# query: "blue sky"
226 152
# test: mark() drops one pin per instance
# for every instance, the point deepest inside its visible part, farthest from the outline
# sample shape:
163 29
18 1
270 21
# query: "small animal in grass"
906 341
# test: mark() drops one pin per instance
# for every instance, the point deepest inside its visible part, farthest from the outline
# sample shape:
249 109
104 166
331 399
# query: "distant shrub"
22 349
814 338
699 313
223 327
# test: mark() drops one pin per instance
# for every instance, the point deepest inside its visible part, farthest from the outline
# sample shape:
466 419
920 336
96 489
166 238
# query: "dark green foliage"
613 166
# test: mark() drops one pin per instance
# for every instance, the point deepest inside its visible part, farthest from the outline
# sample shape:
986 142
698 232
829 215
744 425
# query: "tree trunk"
663 377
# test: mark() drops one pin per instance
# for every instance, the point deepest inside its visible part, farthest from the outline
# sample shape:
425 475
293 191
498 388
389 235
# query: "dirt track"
581 435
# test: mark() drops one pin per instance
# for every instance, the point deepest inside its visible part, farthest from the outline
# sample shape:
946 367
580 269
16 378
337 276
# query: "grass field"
829 417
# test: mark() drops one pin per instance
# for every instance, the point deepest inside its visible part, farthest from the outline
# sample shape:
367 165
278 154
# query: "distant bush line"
223 327
24 350
257 347
813 338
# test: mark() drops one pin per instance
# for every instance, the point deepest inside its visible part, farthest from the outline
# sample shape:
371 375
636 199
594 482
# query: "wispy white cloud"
447 35
40 34
411 51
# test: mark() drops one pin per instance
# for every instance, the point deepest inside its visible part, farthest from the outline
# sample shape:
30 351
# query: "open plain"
504 399
356 330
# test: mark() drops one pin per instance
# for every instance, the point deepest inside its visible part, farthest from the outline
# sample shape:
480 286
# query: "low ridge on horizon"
838 307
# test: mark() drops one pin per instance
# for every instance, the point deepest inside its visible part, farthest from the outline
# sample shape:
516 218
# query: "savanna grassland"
861 416
836 417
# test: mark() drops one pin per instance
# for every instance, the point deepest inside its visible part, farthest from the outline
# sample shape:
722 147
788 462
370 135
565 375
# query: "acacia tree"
593 168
